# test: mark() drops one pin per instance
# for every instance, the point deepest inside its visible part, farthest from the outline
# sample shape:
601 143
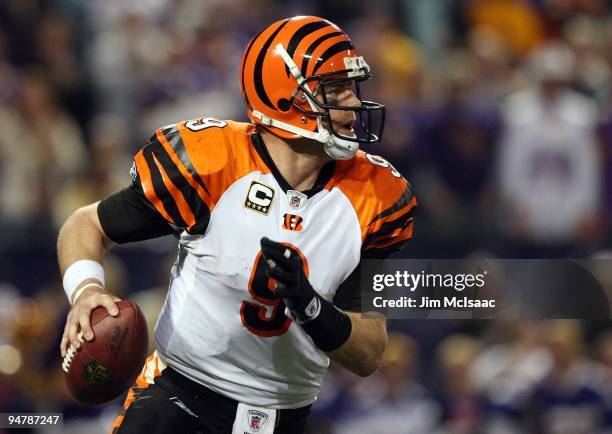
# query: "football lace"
70 354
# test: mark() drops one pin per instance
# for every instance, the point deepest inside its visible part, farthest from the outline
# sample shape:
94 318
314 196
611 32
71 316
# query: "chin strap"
335 147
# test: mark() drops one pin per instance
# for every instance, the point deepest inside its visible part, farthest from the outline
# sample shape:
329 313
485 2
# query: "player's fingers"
279 275
109 304
284 256
85 324
273 270
268 246
277 257
265 241
281 291
64 346
73 329
64 341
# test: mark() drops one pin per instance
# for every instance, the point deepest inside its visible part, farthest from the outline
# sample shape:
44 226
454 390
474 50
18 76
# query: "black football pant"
175 404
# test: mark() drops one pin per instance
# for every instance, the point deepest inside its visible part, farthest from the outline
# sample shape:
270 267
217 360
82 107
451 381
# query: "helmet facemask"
337 146
370 116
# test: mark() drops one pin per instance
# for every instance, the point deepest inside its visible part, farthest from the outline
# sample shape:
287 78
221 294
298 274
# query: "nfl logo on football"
256 420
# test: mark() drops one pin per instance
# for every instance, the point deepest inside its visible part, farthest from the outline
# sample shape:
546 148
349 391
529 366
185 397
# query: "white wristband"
78 272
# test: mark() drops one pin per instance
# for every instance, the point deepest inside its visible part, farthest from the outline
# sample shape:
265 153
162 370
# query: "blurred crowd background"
499 113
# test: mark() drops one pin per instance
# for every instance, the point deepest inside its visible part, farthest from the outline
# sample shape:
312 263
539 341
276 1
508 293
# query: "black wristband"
330 329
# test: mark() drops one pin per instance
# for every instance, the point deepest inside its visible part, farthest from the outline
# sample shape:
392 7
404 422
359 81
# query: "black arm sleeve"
348 294
126 217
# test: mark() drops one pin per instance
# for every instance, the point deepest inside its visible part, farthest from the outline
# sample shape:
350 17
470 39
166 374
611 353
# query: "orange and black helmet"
305 53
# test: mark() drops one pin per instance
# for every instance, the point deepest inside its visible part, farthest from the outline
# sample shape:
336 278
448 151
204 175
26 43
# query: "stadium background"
84 83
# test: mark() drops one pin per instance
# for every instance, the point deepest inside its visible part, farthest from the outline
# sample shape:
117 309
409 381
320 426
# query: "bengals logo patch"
292 222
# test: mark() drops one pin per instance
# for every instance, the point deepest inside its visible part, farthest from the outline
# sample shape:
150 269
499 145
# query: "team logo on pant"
259 198
257 419
292 222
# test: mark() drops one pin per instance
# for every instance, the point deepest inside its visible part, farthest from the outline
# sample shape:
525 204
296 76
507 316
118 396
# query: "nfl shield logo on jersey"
296 198
256 420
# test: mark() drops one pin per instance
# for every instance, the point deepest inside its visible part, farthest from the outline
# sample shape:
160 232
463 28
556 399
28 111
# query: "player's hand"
284 265
80 315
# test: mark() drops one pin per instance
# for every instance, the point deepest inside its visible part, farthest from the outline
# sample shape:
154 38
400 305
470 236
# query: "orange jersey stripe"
151 364
176 194
135 391
147 186
376 225
177 161
394 238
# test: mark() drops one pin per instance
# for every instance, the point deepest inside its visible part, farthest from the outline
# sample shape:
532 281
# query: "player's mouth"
346 130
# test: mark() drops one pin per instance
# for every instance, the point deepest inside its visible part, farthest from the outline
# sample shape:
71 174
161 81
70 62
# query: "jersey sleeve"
125 217
383 201
392 227
170 184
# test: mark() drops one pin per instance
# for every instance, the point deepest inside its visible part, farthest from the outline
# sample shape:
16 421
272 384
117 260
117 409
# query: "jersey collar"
325 175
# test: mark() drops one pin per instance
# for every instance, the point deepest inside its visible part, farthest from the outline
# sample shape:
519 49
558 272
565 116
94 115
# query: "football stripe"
258 78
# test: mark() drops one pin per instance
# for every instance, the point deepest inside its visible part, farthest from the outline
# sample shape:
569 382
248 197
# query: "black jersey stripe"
161 191
404 200
331 51
300 34
258 79
313 47
388 228
196 204
173 136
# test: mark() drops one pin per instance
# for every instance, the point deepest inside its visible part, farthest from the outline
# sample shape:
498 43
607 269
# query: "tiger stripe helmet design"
306 53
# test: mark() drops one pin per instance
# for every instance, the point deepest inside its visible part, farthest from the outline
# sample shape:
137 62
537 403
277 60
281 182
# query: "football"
104 368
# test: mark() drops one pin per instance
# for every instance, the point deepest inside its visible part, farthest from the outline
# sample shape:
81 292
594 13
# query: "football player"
272 218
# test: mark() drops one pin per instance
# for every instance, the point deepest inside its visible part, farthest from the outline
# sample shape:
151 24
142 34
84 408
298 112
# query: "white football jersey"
221 325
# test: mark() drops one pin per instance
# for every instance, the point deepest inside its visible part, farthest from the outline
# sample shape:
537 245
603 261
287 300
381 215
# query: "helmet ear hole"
299 95
284 104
